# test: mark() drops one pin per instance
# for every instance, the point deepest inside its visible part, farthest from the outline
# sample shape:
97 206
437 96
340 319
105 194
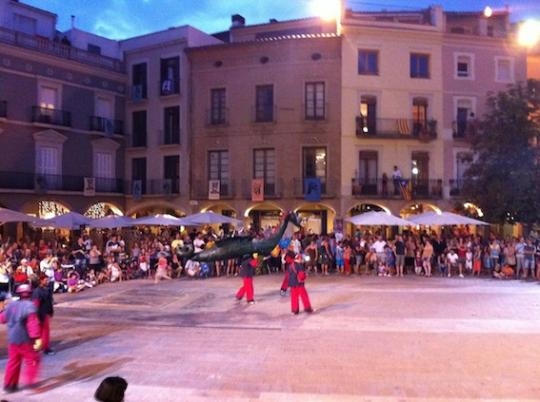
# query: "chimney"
237 21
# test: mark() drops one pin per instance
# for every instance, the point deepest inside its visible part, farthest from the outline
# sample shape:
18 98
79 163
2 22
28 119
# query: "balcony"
456 186
405 189
106 126
161 187
3 109
271 190
201 190
218 117
464 130
405 129
55 117
301 188
168 87
47 182
59 49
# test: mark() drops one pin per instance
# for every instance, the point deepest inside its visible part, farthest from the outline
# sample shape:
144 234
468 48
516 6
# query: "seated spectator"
114 272
73 282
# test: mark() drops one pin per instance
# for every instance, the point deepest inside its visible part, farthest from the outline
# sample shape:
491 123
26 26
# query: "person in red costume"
297 277
24 340
247 271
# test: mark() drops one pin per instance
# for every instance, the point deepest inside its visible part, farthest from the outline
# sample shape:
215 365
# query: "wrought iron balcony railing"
395 128
46 115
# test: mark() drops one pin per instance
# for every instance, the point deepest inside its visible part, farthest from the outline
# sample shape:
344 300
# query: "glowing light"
529 33
488 12
328 10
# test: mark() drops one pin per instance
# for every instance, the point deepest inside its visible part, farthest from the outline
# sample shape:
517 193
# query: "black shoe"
9 389
251 302
309 310
49 352
295 312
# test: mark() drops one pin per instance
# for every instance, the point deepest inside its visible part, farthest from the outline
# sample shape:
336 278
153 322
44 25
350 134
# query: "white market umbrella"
444 218
111 222
71 220
209 218
159 220
8 215
378 218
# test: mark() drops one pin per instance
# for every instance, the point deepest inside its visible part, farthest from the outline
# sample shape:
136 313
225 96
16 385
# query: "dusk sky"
120 19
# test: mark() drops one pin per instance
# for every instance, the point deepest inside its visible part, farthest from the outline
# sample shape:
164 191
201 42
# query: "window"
139 82
464 67
368 62
104 168
264 167
368 172
464 122
366 121
24 24
419 114
314 165
420 173
315 101
94 49
264 103
139 128
218 169
171 174
138 174
218 106
419 65
171 125
504 70
170 76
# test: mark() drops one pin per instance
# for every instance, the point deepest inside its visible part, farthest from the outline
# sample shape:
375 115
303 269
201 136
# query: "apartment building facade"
266 124
61 124
158 115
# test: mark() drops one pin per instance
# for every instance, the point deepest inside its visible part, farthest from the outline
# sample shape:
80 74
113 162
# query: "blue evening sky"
120 19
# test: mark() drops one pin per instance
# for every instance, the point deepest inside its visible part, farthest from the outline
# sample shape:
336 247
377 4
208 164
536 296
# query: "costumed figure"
43 299
297 277
24 340
247 270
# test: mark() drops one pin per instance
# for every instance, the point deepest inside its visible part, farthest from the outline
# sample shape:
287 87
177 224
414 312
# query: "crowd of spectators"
95 258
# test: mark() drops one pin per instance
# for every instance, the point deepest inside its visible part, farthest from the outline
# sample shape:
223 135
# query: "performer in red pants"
297 277
247 270
24 340
43 299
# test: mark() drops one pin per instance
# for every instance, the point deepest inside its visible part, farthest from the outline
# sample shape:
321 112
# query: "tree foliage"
504 177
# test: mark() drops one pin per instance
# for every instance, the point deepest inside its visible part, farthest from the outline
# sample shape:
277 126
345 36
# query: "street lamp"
529 33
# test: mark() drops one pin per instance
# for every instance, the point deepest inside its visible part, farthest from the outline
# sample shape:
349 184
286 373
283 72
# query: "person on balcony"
396 177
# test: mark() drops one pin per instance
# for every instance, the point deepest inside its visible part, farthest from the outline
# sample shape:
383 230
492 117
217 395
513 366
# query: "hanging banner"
214 189
136 190
257 190
89 187
312 187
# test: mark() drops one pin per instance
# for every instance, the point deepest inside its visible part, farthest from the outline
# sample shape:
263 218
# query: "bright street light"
328 10
529 33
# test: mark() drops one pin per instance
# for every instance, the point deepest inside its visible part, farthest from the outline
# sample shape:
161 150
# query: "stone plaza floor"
370 339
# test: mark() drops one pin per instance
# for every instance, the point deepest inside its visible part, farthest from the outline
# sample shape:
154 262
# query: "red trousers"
46 332
299 292
17 356
285 283
246 289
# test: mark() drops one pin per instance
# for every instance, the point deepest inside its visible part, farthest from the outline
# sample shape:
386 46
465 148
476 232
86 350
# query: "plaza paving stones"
371 338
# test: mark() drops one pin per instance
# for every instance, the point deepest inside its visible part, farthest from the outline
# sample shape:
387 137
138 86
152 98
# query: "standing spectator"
247 270
43 298
396 178
23 340
399 249
297 277
528 259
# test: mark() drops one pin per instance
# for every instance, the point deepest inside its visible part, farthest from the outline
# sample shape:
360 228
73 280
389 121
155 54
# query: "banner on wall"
257 190
312 187
89 187
214 189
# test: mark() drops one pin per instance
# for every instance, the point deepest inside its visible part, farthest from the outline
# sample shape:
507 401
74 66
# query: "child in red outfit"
247 271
